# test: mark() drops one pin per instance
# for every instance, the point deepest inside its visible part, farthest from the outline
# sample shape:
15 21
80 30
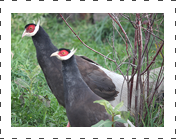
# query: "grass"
27 107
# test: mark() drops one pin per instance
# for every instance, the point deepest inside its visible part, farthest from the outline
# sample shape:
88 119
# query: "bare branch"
83 42
91 48
128 18
153 34
117 21
153 61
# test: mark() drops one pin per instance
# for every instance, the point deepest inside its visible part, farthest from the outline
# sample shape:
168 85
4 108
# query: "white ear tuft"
34 32
64 57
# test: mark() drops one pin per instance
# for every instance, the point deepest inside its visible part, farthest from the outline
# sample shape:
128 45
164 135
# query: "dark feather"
96 79
79 98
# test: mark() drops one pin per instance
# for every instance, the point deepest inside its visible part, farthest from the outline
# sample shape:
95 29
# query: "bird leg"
68 124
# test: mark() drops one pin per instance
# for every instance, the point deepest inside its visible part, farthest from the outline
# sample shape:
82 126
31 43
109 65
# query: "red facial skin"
30 28
63 53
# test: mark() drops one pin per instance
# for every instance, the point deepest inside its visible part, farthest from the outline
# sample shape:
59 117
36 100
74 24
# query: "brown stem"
138 83
123 32
113 120
91 48
83 42
128 18
153 58
132 78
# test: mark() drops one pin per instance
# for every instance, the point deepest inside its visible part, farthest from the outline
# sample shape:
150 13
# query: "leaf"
117 112
118 106
125 115
99 124
22 83
26 71
35 80
32 74
108 123
21 98
103 123
106 104
118 119
35 71
45 117
45 100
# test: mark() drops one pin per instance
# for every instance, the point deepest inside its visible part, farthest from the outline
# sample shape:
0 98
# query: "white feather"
64 57
121 87
32 33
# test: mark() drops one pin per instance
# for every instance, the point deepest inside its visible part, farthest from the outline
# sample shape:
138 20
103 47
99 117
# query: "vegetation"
124 115
32 103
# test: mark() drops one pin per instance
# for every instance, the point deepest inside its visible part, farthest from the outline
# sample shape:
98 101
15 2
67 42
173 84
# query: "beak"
63 57
54 54
24 33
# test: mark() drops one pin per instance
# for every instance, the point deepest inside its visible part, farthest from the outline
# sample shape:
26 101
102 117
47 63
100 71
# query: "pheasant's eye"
63 53
30 28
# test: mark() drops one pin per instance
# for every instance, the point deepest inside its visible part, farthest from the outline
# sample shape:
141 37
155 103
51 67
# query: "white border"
77 6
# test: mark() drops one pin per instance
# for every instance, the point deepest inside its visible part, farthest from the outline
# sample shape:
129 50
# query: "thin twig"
153 34
133 65
113 41
153 96
153 58
132 78
84 43
118 32
117 21
153 20
91 48
128 18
